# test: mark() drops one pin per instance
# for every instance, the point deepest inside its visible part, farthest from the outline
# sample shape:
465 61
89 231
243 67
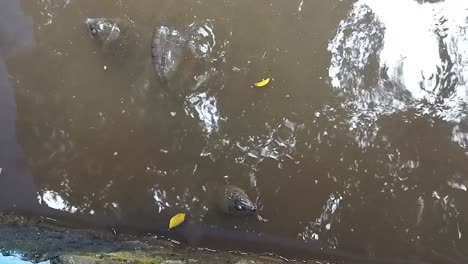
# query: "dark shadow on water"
17 36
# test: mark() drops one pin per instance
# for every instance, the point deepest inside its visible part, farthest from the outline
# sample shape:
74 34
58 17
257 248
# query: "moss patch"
135 257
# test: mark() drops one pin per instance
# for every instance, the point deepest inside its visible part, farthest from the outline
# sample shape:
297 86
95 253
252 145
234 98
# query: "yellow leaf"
262 83
176 220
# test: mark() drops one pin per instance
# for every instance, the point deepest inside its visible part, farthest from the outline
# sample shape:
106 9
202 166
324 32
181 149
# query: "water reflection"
324 222
382 65
205 110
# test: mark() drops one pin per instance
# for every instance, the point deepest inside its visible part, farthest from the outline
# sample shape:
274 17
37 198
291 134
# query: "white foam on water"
206 110
160 197
16 258
202 40
390 56
278 143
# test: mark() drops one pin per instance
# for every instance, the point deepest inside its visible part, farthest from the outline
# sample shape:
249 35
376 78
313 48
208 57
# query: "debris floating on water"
262 82
176 220
175 242
260 218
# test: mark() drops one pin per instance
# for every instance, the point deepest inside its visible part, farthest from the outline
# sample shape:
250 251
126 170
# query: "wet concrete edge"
39 239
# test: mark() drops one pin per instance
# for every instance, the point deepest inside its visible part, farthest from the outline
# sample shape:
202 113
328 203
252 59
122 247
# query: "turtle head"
95 25
102 28
243 205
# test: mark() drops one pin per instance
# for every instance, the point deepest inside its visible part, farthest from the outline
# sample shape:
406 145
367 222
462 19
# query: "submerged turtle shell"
167 50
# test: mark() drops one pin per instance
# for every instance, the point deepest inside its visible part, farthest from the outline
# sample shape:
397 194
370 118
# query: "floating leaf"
262 83
176 220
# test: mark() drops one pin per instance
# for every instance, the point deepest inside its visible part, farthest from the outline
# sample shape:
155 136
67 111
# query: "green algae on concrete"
136 257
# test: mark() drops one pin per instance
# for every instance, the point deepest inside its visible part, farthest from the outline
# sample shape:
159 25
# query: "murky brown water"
357 147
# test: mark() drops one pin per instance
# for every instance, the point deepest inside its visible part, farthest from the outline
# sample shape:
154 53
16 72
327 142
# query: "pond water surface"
357 148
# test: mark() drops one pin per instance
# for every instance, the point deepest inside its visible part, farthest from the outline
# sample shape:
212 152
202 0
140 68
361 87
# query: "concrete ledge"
40 239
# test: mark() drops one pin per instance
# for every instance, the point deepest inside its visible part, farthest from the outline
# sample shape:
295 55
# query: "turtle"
167 50
178 57
170 46
224 202
104 28
115 36
232 200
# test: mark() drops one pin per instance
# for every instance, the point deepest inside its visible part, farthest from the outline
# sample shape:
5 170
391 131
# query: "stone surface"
173 262
244 261
71 259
